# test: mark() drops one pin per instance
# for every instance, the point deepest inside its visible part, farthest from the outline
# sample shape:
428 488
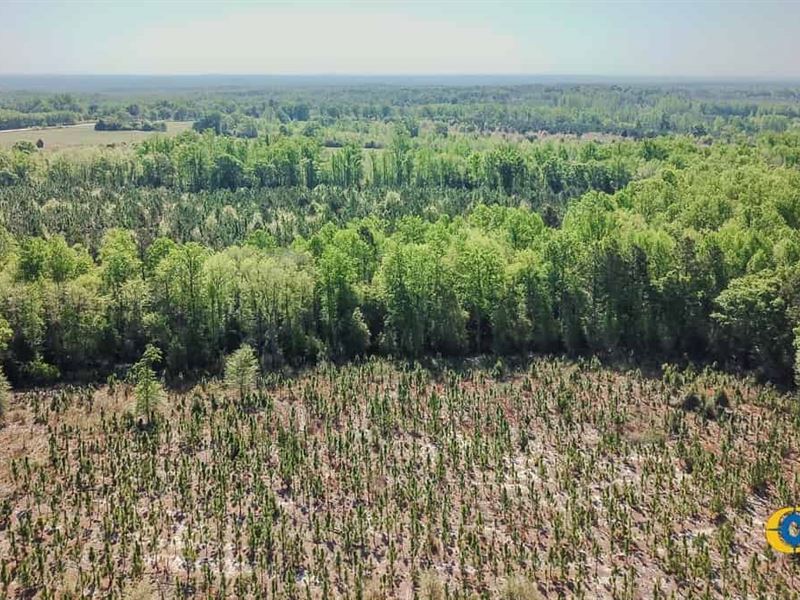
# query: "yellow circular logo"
783 530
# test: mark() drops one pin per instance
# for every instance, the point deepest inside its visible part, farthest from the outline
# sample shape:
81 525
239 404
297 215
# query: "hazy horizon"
121 84
676 40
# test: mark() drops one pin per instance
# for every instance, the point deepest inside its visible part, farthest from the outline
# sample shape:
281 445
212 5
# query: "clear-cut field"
379 480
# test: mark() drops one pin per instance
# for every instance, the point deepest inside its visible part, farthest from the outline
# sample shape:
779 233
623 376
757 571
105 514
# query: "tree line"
619 275
635 110
693 255
195 162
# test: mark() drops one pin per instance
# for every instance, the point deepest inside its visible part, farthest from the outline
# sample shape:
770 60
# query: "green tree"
400 154
755 325
479 279
33 257
422 308
147 388
529 277
346 166
5 395
119 259
241 370
181 300
505 168
336 280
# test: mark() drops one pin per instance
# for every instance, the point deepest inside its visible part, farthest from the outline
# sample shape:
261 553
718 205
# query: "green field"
83 135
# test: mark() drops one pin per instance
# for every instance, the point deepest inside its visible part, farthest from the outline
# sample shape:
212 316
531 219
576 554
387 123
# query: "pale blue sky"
722 39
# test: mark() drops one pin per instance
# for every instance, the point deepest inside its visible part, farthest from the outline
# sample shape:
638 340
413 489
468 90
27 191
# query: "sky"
656 39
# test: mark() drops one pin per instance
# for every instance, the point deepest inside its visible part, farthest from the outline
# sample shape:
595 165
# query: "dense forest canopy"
336 221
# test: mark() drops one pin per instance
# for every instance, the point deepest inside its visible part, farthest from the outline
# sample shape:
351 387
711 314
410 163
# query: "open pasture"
84 135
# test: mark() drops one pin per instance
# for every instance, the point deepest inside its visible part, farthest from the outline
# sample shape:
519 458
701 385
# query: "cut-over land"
378 480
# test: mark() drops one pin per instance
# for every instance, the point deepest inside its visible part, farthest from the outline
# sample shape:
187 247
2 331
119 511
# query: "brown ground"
556 480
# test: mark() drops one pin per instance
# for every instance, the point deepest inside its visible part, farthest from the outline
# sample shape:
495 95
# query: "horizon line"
411 74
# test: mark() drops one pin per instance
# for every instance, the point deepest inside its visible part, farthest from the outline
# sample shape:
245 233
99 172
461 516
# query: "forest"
550 295
244 105
673 248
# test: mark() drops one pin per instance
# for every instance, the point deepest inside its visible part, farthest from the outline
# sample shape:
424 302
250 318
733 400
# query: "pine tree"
147 388
5 394
241 369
